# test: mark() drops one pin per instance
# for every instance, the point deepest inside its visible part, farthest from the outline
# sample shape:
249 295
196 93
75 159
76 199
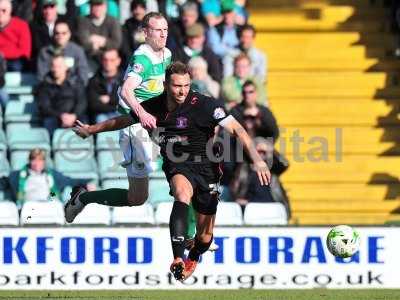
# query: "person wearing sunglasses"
74 54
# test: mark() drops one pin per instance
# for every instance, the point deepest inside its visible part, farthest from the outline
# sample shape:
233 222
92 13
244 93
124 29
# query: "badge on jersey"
181 122
137 68
219 113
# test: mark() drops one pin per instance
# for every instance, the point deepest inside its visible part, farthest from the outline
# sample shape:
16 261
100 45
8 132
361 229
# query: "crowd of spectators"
78 50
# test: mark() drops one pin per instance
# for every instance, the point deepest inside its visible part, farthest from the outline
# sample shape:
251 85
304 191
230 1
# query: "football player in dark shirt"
186 123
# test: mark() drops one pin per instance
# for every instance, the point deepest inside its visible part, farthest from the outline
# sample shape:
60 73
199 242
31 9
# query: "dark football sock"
178 227
198 249
110 197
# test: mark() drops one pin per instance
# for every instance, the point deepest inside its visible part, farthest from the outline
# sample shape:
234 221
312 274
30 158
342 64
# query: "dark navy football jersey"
183 133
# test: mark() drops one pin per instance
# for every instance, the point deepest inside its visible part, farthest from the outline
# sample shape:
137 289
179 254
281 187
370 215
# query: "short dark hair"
176 67
137 3
147 17
248 83
247 27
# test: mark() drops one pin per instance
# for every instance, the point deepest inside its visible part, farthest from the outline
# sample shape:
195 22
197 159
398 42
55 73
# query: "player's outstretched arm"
234 128
85 130
127 94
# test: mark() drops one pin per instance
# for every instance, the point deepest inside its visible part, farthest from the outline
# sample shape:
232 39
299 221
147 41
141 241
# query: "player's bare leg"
203 240
182 191
138 191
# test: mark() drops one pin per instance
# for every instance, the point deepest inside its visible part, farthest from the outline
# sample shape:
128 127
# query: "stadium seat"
94 214
265 214
108 140
3 141
18 159
4 165
159 191
163 211
8 213
115 183
109 165
66 139
42 212
142 214
21 136
228 213
19 83
67 163
20 111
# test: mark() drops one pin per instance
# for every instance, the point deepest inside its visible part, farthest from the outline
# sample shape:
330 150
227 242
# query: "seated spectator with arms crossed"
61 98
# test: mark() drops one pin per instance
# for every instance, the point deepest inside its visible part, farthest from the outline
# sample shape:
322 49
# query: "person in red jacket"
15 38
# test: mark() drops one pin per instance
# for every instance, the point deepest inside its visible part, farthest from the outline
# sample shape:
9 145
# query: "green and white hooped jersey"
150 69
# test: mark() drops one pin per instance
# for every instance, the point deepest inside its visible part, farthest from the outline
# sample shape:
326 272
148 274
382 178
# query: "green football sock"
110 197
191 228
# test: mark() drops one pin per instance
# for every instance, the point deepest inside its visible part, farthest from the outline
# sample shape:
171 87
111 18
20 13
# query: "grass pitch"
315 294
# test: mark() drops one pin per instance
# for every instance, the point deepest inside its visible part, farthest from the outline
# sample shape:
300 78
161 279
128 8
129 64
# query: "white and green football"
343 241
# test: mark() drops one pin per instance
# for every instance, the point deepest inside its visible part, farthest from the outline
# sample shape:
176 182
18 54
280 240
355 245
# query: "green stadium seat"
3 142
18 159
66 139
115 183
69 164
159 191
19 83
20 111
4 166
107 141
21 136
109 165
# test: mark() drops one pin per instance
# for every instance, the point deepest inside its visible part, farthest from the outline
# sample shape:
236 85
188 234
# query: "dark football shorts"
204 178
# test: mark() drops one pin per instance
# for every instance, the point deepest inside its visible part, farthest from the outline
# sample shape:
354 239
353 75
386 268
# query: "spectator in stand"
23 9
211 10
112 8
42 28
257 119
257 57
36 182
133 35
232 85
224 37
171 9
15 38
177 29
102 88
261 125
74 54
97 32
195 46
201 80
61 98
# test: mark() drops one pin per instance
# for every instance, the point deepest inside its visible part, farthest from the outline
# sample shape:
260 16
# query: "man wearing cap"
195 46
224 37
97 32
42 27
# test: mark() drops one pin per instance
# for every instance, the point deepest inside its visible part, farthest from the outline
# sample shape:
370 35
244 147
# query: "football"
343 241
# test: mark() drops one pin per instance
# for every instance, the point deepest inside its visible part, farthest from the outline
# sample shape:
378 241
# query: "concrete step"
352 140
343 193
318 167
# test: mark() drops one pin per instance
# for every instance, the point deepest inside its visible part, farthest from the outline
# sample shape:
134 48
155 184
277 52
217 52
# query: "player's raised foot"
190 266
177 268
74 206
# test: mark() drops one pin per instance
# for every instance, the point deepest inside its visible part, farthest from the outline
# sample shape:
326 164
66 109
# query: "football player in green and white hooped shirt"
144 79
